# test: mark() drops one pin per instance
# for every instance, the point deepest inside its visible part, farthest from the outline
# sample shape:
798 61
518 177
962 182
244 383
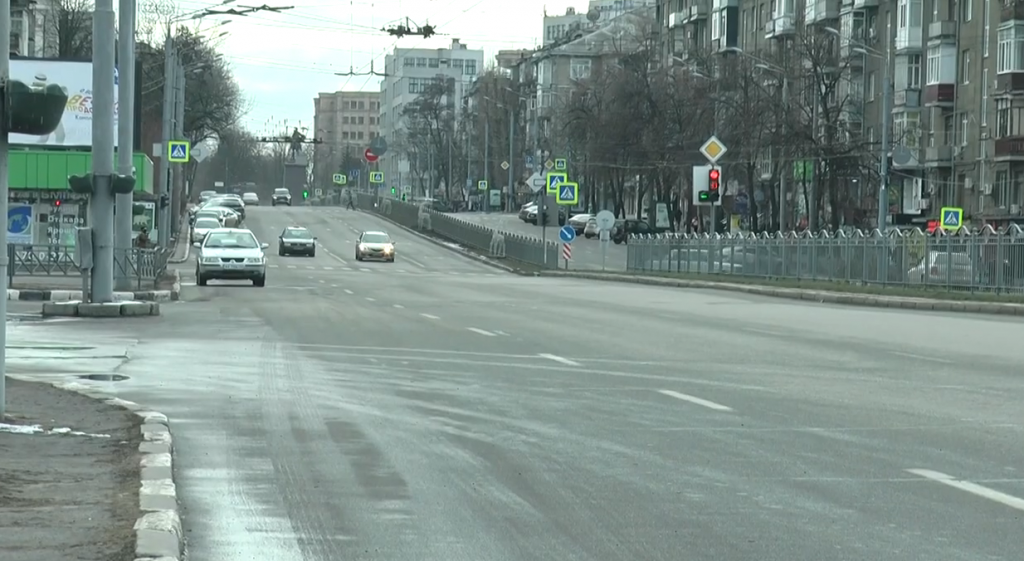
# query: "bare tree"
429 122
68 29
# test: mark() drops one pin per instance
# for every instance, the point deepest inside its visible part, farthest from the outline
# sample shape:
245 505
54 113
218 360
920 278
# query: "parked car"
251 199
579 222
625 228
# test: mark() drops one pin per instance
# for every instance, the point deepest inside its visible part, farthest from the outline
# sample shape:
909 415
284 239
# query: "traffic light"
165 200
403 197
713 192
305 193
392 190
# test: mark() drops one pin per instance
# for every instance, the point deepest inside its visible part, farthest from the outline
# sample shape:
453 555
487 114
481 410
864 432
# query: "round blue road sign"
567 234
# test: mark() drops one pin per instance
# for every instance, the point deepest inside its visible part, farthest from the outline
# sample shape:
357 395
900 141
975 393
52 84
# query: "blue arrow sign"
567 234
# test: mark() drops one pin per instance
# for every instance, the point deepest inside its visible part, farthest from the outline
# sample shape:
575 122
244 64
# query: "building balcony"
1009 149
1009 83
697 12
821 11
906 99
864 4
1012 10
941 30
780 26
938 157
908 39
939 95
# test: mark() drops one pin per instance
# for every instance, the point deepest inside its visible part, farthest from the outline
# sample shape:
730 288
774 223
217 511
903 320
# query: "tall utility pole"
167 116
5 74
511 156
887 93
179 133
487 155
101 203
787 168
125 139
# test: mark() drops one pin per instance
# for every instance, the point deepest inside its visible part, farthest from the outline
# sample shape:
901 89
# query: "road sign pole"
101 201
163 213
487 150
125 137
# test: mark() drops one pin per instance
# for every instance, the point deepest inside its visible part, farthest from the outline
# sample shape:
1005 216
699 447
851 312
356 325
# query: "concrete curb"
819 296
56 295
158 532
450 246
188 252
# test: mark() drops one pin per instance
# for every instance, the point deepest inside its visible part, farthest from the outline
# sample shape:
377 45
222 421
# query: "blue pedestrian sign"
178 151
567 234
952 218
554 178
376 177
354 174
568 194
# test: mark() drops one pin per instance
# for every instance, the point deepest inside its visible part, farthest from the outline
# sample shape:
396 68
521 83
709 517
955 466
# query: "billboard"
75 129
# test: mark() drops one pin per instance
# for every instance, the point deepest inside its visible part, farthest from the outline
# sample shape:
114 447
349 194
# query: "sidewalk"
67 495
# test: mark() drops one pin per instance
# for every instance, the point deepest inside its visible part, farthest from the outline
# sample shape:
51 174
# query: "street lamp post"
125 139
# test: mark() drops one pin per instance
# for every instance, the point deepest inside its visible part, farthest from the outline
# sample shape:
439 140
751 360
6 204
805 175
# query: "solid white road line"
972 488
481 331
695 400
429 316
922 357
347 291
557 358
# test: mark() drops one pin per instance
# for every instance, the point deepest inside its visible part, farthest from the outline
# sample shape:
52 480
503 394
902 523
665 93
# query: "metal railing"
488 241
987 261
143 266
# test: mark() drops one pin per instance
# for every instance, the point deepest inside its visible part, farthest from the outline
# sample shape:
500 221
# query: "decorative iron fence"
492 243
981 261
143 266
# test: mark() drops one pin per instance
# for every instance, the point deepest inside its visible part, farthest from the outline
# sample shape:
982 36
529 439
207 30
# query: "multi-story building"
347 122
408 73
36 29
957 88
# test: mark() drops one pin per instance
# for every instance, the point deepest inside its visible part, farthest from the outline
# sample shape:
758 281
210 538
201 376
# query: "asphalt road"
452 413
586 254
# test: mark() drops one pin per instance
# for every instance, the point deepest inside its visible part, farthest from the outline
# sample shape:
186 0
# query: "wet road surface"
435 409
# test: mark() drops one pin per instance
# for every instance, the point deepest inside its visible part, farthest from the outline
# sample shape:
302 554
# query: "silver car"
296 240
203 226
231 254
375 245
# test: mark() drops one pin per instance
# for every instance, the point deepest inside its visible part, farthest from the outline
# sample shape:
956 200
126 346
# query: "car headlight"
389 248
211 260
362 247
254 260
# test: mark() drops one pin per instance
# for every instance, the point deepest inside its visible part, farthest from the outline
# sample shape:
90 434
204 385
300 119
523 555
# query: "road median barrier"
835 295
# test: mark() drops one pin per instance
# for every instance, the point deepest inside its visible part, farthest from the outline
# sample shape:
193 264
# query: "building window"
984 97
906 129
362 106
457 63
470 68
421 62
434 63
360 120
408 61
417 85
1008 119
965 65
715 31
941 64
968 7
359 135
344 120
965 127
914 71
579 69
1010 57
871 86
344 135
1002 188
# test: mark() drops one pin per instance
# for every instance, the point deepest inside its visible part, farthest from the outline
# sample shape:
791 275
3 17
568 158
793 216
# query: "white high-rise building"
573 23
409 72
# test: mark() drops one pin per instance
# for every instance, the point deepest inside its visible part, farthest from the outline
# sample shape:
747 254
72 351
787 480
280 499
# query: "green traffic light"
305 194
392 190
703 196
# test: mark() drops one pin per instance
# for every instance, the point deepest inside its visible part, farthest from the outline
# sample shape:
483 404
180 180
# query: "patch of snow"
36 429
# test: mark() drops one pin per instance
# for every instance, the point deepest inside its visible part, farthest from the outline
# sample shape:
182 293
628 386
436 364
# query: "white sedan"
202 227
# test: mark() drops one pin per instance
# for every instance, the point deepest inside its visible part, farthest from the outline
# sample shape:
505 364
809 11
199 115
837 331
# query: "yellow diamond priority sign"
713 149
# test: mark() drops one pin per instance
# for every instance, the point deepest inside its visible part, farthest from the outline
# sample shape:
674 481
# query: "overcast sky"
282 60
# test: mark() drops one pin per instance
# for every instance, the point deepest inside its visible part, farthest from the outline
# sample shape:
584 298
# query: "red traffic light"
713 174
56 203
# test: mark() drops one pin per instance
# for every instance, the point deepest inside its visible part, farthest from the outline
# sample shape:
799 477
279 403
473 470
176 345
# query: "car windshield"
225 202
376 238
280 191
207 223
297 234
221 240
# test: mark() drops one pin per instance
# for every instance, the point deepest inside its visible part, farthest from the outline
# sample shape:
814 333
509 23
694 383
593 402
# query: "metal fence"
143 266
493 243
981 261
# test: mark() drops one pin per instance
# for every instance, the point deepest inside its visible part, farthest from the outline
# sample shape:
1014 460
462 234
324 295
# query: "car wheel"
312 253
200 279
260 281
359 257
280 251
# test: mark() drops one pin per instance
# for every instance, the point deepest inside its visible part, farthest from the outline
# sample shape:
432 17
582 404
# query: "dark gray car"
296 241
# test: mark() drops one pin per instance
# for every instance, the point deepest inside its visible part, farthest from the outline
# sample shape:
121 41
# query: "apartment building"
36 31
408 74
347 122
957 77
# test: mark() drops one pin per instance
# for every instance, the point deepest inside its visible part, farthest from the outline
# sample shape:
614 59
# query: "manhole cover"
103 377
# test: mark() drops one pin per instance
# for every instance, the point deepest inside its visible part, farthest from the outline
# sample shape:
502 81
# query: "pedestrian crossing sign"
376 177
553 179
178 151
339 179
952 218
568 194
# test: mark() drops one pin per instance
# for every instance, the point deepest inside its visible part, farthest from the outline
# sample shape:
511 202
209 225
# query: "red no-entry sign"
370 156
